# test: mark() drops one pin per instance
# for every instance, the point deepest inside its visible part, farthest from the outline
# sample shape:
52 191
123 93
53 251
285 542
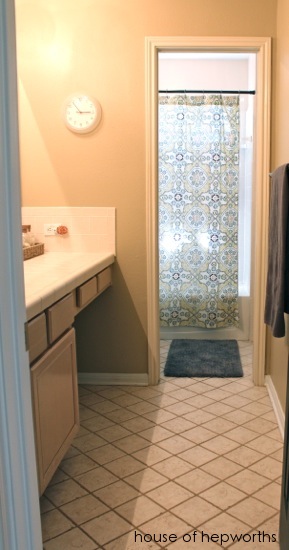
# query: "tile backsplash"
90 229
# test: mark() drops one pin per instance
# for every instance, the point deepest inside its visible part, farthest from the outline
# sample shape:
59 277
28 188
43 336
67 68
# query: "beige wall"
98 46
278 347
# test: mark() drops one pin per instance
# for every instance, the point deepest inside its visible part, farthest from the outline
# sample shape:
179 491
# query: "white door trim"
19 507
262 47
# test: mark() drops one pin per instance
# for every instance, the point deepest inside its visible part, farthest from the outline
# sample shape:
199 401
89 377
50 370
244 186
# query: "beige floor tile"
54 523
248 481
145 393
223 495
236 401
275 434
257 408
199 416
120 415
270 416
178 425
244 456
218 409
72 451
85 412
131 443
104 454
181 409
201 387
195 511
169 443
113 433
58 477
83 509
116 494
198 456
260 425
138 424
111 393
77 465
200 401
126 400
270 495
265 445
241 435
88 442
64 492
169 495
139 510
278 455
220 444
167 523
172 467
163 400
124 466
156 434
141 407
105 407
182 394
45 504
199 434
252 511
256 393
217 394
151 455
221 467
269 467
147 480
239 417
158 416
197 480
95 479
72 539
219 425
106 528
96 423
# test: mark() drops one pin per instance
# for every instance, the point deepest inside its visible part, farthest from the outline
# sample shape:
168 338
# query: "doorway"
206 147
261 48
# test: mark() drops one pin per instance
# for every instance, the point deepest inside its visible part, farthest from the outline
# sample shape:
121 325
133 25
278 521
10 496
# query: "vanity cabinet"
52 355
55 405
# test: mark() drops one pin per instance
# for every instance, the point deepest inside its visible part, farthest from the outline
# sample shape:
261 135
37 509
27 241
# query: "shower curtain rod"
251 92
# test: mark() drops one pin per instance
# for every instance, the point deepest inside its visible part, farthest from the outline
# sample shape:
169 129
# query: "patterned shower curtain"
198 210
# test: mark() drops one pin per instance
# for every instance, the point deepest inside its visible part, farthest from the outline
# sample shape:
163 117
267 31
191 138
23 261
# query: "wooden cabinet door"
55 405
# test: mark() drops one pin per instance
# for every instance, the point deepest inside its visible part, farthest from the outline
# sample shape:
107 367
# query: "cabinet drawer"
37 336
60 317
103 279
86 292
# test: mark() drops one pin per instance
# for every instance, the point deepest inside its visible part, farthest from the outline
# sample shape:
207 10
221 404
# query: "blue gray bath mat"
204 358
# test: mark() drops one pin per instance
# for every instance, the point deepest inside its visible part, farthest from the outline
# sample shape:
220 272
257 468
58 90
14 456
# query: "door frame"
261 46
20 525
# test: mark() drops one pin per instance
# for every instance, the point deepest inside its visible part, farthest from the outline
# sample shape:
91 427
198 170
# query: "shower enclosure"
205 197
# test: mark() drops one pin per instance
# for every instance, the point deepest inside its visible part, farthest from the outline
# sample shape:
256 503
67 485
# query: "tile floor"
197 460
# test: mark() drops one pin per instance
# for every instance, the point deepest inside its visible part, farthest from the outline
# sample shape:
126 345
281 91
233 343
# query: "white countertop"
49 277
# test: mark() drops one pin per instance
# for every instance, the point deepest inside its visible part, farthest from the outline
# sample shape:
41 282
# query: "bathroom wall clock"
82 113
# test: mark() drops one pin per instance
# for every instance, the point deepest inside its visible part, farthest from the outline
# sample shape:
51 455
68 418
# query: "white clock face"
82 113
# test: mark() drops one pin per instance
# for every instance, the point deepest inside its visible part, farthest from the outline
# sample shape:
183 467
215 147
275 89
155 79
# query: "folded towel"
277 291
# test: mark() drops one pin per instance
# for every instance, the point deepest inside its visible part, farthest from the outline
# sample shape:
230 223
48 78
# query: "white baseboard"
276 404
113 379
